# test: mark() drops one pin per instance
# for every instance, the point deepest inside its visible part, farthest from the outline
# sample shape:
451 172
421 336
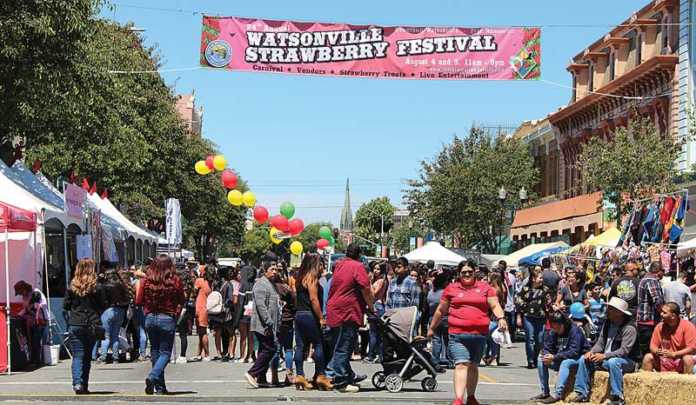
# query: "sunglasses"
466 273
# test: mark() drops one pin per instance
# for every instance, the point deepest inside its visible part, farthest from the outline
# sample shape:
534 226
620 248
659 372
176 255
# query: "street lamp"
502 196
381 233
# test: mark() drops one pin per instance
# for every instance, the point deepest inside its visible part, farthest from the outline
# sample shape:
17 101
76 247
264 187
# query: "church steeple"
346 212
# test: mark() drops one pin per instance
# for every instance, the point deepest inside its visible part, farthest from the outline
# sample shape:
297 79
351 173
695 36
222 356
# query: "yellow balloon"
201 168
249 199
296 248
272 233
235 198
219 162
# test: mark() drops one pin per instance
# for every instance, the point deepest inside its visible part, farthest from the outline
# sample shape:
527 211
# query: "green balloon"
287 209
332 241
325 233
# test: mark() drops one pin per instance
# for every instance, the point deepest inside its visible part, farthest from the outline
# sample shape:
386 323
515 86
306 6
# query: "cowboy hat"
619 304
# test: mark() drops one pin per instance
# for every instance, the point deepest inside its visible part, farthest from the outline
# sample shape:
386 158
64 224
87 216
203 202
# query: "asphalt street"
216 382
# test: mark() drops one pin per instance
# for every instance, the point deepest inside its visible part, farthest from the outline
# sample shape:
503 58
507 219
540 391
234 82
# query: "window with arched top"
590 79
666 34
612 65
639 48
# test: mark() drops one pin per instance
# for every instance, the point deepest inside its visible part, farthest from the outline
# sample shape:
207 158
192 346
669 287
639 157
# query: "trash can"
51 354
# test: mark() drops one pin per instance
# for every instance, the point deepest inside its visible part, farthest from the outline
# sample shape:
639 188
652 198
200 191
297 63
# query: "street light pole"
502 196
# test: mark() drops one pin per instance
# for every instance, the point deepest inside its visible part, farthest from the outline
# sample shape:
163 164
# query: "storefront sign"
74 199
370 51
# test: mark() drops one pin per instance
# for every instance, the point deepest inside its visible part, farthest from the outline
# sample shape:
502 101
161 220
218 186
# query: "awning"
686 248
436 252
535 259
609 238
513 259
117 217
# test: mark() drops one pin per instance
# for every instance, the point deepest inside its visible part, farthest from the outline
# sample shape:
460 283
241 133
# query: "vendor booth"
513 259
436 252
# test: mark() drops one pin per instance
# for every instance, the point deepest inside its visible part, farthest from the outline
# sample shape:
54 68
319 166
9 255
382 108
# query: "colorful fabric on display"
667 208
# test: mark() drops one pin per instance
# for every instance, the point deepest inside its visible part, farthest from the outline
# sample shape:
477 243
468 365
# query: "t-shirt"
678 292
675 340
345 301
468 307
626 288
568 298
434 298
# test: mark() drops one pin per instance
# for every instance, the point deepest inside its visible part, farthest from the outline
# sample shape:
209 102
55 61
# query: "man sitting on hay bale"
615 351
673 343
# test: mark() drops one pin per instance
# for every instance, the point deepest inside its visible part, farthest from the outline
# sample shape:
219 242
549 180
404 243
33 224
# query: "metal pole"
500 225
381 237
66 262
7 298
48 292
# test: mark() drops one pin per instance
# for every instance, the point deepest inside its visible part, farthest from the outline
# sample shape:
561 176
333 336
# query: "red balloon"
260 214
296 226
280 223
229 179
209 162
322 243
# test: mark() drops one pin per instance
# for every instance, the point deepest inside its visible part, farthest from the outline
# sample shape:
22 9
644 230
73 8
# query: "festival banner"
248 44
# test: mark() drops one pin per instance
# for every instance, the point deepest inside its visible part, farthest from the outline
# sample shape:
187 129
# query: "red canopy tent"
12 219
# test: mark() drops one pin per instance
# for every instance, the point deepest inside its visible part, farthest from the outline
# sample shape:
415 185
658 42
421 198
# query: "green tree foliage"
255 243
456 193
633 164
401 237
368 219
58 96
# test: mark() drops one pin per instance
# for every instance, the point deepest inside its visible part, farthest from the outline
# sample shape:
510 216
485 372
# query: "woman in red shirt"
162 296
466 302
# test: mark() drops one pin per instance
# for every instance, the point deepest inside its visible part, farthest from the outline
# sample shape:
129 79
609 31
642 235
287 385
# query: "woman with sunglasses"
466 302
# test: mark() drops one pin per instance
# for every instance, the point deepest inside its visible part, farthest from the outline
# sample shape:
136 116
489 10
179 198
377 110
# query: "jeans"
81 340
160 329
492 348
285 339
533 338
564 367
510 316
617 367
37 339
267 349
440 343
307 330
139 320
344 336
375 349
644 335
112 319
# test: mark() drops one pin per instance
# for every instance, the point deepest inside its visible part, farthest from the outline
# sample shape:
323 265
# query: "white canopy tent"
436 252
687 247
513 258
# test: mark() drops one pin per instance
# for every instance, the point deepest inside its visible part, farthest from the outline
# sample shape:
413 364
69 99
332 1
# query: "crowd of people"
278 318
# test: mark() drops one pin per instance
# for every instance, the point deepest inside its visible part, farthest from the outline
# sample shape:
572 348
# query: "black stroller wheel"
394 383
429 384
378 380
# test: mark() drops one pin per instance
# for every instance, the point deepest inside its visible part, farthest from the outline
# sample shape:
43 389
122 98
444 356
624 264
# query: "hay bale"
648 388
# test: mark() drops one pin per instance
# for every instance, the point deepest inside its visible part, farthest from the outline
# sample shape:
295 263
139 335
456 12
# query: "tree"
636 162
369 217
456 192
255 243
401 237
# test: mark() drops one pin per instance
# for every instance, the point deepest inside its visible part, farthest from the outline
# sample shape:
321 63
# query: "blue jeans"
375 338
307 330
492 348
344 336
160 329
285 339
564 367
81 340
533 338
111 319
616 366
139 319
440 343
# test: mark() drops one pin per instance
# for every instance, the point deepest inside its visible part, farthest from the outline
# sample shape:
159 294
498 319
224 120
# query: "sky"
298 138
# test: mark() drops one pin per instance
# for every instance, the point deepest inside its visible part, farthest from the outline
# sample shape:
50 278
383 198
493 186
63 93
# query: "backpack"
214 303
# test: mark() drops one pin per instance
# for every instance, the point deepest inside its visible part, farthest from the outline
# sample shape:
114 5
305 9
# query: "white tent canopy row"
436 252
513 259
113 214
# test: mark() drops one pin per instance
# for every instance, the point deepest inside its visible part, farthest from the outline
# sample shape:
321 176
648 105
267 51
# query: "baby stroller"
403 357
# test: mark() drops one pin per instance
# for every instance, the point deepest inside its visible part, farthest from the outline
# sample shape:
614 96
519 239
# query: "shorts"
227 326
466 348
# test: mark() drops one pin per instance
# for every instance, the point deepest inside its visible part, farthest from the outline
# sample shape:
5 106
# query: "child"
598 308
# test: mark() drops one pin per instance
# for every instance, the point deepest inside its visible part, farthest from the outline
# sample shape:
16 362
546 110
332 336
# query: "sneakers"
576 397
358 378
550 400
251 380
181 360
349 389
206 359
195 359
149 386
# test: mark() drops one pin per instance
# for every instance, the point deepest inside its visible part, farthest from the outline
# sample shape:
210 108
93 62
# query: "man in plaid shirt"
650 300
403 290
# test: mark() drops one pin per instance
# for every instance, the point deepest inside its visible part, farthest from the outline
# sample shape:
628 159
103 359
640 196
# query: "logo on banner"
218 53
